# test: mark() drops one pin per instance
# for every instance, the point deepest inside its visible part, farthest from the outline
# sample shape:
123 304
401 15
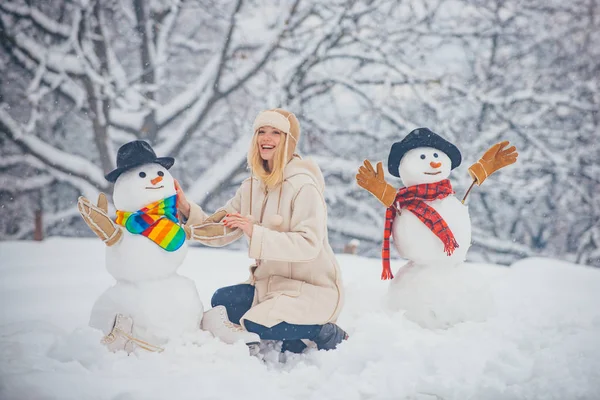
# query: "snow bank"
543 341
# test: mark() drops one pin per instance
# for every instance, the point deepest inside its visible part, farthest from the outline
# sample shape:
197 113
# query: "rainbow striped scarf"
157 221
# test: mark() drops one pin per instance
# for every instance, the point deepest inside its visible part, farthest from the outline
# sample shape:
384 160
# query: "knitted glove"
375 183
211 228
495 158
96 217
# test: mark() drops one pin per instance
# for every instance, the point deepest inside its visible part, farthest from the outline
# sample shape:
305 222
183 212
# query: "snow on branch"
113 64
51 156
130 121
166 30
322 126
264 55
226 42
81 184
221 172
59 81
179 136
387 112
37 17
553 99
197 90
50 220
202 104
14 186
341 195
56 60
532 139
343 166
12 161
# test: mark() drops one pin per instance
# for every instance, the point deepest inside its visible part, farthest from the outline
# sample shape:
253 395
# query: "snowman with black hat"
150 303
431 228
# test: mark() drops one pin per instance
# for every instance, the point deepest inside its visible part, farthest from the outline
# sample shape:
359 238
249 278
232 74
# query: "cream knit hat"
284 121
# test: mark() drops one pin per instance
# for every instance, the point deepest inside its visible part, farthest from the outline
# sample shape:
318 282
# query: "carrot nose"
156 180
435 164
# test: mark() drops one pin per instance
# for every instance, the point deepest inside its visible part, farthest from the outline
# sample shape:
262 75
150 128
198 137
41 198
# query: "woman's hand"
183 205
236 220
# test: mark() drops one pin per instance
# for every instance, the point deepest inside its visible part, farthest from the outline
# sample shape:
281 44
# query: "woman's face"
268 140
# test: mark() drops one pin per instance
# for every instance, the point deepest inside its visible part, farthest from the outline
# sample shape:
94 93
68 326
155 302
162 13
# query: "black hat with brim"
421 137
134 154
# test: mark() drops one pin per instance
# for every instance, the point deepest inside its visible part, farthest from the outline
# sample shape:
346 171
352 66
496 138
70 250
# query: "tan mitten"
216 217
211 228
495 158
96 217
121 337
117 339
375 183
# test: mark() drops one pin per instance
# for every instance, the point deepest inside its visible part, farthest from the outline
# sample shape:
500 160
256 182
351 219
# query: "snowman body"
162 303
416 242
434 289
136 258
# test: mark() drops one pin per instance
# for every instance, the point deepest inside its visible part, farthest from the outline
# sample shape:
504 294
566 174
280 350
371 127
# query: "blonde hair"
260 167
283 152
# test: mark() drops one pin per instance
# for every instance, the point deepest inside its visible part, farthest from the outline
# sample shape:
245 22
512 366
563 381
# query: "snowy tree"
80 78
90 76
535 81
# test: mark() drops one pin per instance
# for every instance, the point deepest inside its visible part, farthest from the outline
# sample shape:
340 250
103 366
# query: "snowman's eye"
160 173
435 155
422 156
142 174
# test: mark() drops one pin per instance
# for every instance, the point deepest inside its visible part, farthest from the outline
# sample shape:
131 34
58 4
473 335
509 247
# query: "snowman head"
424 165
142 185
423 156
141 177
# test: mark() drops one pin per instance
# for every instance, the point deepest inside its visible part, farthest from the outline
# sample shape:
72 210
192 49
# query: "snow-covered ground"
543 342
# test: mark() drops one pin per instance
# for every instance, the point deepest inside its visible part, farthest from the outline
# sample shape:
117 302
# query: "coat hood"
308 167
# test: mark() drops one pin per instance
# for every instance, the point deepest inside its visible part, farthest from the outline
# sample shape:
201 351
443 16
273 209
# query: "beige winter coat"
296 275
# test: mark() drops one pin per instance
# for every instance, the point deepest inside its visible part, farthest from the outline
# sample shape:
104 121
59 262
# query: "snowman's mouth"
433 173
160 187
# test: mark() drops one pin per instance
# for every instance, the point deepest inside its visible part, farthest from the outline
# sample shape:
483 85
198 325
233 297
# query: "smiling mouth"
160 187
267 147
432 173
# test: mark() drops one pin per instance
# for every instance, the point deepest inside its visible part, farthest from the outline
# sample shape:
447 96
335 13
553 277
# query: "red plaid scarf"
413 199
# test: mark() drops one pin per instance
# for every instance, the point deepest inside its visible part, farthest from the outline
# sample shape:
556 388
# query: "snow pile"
439 296
543 341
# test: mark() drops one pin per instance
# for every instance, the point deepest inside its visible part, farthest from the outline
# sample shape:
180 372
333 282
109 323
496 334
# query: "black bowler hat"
134 154
421 137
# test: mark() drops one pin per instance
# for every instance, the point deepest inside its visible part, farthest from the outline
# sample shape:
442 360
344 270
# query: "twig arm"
468 190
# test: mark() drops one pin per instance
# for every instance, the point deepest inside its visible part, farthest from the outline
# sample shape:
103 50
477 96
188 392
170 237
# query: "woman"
294 293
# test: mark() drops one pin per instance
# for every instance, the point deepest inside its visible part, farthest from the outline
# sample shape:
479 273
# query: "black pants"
238 299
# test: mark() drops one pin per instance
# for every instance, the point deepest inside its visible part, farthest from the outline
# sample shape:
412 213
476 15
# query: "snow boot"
293 346
330 336
217 322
